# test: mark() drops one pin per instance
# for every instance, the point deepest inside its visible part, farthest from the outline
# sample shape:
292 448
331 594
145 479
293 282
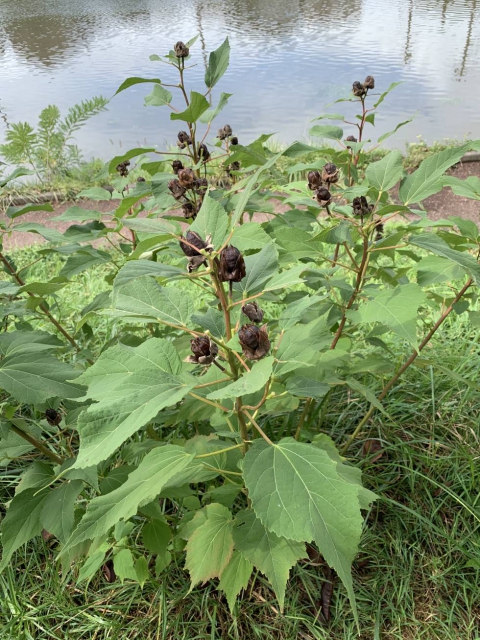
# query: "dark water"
289 59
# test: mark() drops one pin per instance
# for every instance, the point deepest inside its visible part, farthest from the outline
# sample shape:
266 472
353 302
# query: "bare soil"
439 206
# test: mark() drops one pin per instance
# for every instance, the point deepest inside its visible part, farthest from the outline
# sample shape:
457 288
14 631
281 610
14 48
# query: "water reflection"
289 59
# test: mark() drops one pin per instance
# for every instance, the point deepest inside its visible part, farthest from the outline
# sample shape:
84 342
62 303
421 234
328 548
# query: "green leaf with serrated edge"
38 474
384 174
296 243
130 82
210 546
15 212
294 350
295 311
141 487
348 472
12 446
156 535
57 513
235 577
144 297
78 214
115 478
304 387
397 308
43 288
123 565
21 522
273 555
132 153
141 570
95 193
252 381
467 228
88 475
326 131
158 226
198 105
297 493
469 188
217 64
159 97
250 236
286 278
390 133
425 181
259 267
385 94
93 563
212 219
431 242
15 342
138 268
434 269
132 385
83 260
211 114
212 321
36 376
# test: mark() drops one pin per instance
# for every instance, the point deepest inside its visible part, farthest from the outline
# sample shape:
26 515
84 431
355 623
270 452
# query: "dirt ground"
439 206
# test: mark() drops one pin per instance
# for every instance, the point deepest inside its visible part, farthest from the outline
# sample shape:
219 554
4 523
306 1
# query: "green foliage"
165 412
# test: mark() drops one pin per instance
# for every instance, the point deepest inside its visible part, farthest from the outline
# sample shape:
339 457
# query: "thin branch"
257 427
37 444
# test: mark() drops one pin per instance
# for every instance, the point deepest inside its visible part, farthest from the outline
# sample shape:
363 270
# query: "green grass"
415 575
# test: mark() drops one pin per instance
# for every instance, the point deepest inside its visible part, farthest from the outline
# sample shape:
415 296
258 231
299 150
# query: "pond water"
289 59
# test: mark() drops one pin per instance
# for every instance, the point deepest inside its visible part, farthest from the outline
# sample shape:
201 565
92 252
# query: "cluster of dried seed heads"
317 180
191 246
203 349
361 207
232 265
360 90
181 50
53 417
254 341
122 168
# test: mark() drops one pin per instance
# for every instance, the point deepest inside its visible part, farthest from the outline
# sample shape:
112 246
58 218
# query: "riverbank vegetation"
216 425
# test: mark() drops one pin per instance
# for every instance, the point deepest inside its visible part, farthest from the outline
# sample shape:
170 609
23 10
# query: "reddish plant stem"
406 364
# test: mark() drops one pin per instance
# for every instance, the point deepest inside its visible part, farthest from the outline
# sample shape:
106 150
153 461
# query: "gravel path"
441 205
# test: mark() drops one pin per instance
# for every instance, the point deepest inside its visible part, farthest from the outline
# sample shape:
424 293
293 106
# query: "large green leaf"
198 105
210 546
295 350
130 82
433 243
213 321
22 522
252 381
434 269
159 97
259 267
397 308
144 297
141 487
297 492
296 310
32 376
217 64
57 515
273 555
235 577
131 386
211 114
137 268
156 535
425 181
327 131
212 220
250 236
385 173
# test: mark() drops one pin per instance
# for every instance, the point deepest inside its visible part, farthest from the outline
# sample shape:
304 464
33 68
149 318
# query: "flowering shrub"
169 439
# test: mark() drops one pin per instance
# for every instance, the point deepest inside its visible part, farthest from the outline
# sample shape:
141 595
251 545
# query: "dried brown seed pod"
176 166
53 417
330 173
203 349
323 196
314 180
201 186
234 140
176 189
227 130
194 239
189 210
358 89
254 341
369 82
122 168
181 49
221 135
379 231
235 166
186 178
253 312
360 206
184 137
232 265
141 179
203 152
351 139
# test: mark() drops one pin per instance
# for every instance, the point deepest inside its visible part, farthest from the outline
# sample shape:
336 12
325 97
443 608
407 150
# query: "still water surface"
289 59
